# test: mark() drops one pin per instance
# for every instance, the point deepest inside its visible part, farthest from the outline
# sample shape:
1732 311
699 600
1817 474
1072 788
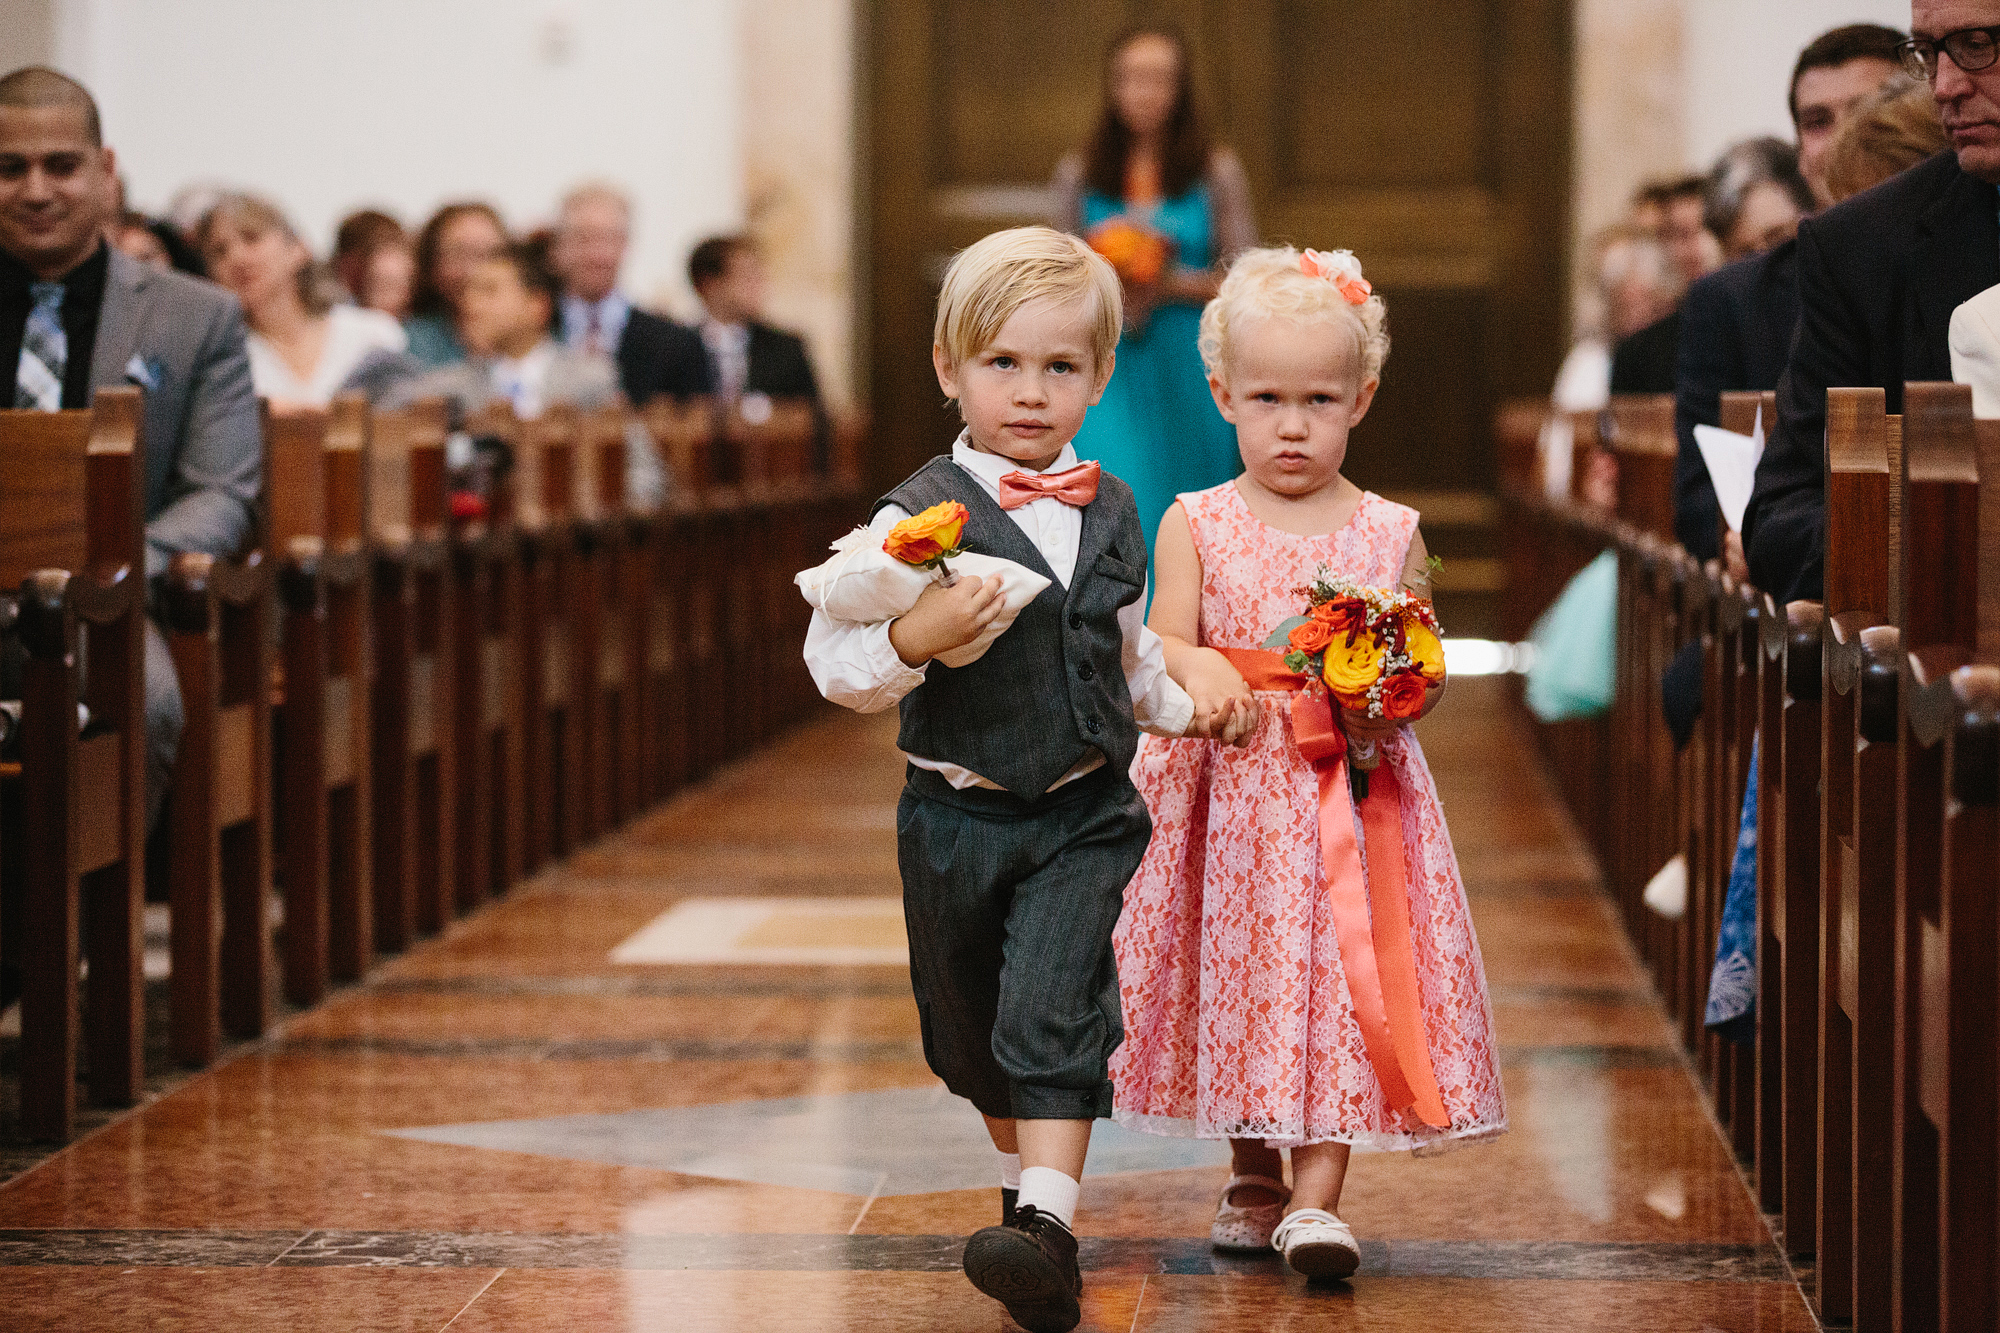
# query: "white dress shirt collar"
989 468
523 381
612 314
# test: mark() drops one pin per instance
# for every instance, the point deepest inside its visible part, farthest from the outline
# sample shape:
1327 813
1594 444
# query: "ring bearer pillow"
863 583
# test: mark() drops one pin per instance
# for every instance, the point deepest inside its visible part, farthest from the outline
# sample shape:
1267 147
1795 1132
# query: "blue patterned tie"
38 385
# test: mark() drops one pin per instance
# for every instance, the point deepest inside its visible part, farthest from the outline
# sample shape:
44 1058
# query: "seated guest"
133 233
1756 197
746 355
655 356
1879 277
1672 211
1888 132
303 348
457 237
374 263
506 314
1736 329
77 314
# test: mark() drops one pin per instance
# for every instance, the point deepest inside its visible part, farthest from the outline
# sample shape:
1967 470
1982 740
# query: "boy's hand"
1224 708
945 618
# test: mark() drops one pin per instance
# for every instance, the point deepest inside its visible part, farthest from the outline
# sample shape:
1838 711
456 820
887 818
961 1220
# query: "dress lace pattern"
1238 1021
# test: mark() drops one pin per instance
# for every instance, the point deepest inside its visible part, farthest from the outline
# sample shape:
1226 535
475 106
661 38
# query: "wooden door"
1432 140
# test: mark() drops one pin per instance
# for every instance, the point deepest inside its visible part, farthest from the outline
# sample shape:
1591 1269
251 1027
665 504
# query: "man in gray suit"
76 315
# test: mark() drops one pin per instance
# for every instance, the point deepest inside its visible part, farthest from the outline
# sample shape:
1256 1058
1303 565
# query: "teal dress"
1157 428
433 341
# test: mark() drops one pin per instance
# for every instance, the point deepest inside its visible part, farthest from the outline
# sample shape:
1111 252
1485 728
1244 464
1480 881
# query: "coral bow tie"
1077 487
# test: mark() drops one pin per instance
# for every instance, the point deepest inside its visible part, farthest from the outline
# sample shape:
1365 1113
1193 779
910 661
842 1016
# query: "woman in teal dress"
1151 166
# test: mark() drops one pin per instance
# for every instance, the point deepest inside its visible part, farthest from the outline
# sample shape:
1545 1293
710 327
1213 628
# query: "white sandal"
1317 1243
1247 1228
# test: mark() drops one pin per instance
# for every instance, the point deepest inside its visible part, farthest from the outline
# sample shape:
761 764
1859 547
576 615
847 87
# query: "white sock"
1050 1191
1010 1170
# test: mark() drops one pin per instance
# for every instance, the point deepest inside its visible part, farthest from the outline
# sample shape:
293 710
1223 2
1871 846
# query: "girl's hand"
945 618
1361 727
1224 708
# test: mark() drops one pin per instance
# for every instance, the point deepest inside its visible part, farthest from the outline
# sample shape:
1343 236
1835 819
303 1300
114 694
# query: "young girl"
1279 989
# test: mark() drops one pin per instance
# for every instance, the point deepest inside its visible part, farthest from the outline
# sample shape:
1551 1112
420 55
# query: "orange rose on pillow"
926 539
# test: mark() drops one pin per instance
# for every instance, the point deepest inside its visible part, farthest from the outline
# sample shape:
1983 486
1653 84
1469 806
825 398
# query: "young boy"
1019 828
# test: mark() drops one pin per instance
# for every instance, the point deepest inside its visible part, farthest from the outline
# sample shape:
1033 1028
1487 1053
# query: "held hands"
945 618
1224 708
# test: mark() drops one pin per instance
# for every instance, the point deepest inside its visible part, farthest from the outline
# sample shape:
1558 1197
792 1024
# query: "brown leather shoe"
1029 1266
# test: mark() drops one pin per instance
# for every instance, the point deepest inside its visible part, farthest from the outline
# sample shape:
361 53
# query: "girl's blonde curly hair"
1269 284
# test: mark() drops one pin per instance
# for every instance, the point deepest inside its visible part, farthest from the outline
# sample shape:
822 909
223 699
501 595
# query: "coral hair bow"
1340 268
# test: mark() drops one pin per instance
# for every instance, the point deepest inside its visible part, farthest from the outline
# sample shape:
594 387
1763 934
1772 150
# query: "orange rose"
1403 696
1343 615
1426 653
1351 668
926 538
1311 636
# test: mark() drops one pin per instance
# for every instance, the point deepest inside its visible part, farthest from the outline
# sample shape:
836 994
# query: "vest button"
1090 725
1075 620
1086 671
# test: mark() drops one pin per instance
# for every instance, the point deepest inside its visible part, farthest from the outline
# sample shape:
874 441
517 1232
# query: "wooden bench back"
600 490
1939 568
1644 441
685 432
348 443
1740 409
74 493
295 482
406 483
1863 445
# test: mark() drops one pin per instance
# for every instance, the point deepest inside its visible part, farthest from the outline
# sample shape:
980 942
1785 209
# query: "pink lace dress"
1238 1021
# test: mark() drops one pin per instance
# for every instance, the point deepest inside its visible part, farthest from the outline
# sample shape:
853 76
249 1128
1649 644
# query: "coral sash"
1371 911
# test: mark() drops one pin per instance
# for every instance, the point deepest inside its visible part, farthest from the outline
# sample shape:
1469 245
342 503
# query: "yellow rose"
1352 668
926 538
1426 652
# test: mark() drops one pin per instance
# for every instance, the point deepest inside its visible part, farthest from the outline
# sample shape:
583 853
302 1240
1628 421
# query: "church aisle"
676 1083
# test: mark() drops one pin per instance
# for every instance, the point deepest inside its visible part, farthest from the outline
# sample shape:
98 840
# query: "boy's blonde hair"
995 276
1269 284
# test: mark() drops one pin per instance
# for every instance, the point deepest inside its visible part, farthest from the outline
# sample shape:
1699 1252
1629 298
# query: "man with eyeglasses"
1879 278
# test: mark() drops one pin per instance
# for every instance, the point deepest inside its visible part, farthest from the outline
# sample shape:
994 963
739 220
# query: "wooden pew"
411 760
318 501
488 715
677 614
72 540
1858 708
612 543
220 628
780 479
1950 526
555 739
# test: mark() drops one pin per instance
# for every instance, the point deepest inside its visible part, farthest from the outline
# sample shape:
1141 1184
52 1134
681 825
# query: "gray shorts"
1010 907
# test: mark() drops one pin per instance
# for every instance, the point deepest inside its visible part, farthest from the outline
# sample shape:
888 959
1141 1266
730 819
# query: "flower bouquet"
871 578
1375 650
1137 252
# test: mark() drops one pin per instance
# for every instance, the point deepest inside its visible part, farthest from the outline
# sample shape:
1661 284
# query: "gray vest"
1052 688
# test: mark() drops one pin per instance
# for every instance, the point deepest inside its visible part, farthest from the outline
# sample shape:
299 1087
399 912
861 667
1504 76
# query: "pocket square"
143 372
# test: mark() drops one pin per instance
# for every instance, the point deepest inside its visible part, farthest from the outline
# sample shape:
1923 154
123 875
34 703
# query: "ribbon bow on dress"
1371 907
1076 487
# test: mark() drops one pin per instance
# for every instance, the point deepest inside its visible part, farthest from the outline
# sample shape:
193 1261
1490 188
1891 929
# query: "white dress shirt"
352 335
729 346
612 314
859 668
522 380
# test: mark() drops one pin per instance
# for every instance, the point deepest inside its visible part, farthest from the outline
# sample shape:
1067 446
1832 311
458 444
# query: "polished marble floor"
676 1084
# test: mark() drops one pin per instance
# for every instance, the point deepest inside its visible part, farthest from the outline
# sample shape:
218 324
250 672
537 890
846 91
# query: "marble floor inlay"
752 931
820 1252
881 1144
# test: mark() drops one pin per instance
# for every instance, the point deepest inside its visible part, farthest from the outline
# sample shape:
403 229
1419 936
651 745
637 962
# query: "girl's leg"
1318 1172
1250 1157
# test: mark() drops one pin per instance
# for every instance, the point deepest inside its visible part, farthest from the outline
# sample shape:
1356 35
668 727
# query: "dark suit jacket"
1879 276
779 365
1644 362
657 356
181 340
1736 332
